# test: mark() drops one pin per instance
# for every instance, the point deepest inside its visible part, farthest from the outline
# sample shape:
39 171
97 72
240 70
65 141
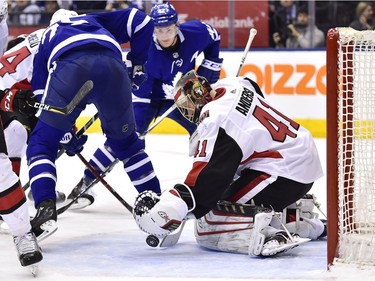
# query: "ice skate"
28 250
60 197
280 242
44 223
85 200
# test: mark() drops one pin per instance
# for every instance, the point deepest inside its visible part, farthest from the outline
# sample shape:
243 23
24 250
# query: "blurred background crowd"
280 24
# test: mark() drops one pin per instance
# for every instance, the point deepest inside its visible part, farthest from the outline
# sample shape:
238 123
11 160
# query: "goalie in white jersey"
247 152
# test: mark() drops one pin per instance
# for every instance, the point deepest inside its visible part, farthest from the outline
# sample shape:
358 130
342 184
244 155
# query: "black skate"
29 252
86 199
44 223
60 197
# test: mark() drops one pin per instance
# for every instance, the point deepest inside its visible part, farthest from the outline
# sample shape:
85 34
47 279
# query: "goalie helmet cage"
351 147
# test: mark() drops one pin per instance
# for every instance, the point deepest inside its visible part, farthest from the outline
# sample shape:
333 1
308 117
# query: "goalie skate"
280 242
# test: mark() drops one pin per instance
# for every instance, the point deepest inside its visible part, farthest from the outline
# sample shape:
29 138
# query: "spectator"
82 6
282 14
24 13
48 9
364 20
303 35
118 4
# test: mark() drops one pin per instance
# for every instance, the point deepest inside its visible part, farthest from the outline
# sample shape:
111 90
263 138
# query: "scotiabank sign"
246 14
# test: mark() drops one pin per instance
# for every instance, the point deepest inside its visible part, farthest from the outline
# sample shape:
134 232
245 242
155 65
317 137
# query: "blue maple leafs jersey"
165 67
108 29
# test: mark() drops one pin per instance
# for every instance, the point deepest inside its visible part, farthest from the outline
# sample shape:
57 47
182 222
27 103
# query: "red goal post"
351 146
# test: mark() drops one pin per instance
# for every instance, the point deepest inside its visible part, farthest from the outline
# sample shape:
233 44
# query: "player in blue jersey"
173 52
71 52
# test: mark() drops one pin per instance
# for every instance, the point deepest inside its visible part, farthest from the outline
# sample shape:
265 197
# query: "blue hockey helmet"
163 14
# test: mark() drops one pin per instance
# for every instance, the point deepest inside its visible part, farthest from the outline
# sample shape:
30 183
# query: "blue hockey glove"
72 143
210 69
137 75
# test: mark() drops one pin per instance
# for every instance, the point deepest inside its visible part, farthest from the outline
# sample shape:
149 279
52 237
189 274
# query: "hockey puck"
152 241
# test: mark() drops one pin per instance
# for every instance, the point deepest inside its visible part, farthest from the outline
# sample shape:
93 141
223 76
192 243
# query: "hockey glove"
72 143
159 215
18 101
137 75
210 69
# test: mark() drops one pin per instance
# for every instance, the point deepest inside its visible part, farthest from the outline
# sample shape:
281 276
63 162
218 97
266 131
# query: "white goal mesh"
355 152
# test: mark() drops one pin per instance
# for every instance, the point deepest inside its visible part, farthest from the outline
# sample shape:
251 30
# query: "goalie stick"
79 134
83 91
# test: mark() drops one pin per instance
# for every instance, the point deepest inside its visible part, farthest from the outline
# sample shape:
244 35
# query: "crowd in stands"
290 22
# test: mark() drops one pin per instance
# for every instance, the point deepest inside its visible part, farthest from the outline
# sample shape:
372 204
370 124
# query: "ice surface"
102 242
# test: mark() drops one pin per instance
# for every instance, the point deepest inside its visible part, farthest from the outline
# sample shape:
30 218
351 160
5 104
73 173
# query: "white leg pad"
223 232
261 221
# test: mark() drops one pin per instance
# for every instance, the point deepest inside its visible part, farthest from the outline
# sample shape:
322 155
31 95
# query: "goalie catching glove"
72 143
161 215
18 101
210 69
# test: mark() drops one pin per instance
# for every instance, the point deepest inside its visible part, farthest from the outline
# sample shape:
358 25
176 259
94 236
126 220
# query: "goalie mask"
191 93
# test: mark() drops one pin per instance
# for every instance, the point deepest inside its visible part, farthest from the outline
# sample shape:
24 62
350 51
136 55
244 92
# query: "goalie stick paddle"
83 91
79 134
167 241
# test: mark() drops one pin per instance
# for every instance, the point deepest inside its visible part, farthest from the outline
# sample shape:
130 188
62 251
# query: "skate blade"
271 251
80 204
49 228
34 269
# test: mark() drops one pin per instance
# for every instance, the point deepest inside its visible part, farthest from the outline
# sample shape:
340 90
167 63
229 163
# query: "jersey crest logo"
204 115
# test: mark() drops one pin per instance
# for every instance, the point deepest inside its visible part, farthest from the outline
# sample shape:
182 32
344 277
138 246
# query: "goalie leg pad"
223 232
307 228
257 238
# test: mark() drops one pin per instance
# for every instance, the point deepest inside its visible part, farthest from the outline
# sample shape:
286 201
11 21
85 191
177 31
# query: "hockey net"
351 146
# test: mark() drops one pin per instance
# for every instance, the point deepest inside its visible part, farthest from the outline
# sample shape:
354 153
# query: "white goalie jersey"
240 130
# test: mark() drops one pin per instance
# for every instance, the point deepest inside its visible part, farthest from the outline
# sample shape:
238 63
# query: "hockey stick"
83 91
79 134
252 34
157 122
104 173
104 182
